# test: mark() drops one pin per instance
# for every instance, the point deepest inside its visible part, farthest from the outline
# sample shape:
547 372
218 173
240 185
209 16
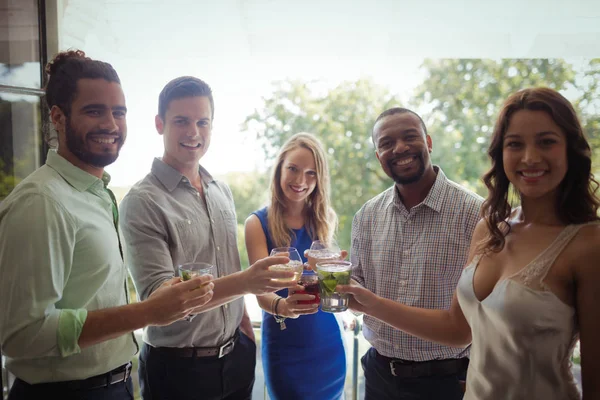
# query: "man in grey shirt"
178 214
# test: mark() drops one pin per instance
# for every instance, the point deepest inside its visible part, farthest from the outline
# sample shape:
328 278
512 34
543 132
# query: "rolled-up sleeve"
70 325
37 239
147 253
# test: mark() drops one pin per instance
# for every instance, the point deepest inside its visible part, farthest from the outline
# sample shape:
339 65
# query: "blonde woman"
306 359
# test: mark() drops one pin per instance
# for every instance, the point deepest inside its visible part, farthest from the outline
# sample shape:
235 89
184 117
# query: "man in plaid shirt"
409 244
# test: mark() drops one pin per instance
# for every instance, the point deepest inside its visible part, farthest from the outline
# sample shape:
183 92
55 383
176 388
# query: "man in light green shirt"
66 325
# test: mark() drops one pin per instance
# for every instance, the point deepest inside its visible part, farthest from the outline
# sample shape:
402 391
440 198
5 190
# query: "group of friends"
462 297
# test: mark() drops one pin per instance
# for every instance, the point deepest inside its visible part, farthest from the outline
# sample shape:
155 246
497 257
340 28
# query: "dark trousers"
164 376
22 390
381 384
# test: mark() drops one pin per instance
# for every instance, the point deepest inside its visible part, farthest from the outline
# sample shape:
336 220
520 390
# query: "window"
21 114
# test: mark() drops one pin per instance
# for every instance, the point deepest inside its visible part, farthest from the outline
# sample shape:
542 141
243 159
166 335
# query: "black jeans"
168 377
380 384
22 390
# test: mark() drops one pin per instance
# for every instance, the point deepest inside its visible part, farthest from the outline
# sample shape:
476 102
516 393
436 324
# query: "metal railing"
355 359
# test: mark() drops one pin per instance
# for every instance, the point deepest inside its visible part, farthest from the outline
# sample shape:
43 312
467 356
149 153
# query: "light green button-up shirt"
59 258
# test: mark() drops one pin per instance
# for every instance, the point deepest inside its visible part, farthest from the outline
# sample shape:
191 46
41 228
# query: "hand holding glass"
294 265
192 270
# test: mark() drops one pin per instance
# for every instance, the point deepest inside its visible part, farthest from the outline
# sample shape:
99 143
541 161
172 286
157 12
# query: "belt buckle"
393 368
393 363
226 348
128 369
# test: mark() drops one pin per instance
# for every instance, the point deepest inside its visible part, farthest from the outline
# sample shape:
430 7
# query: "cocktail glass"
321 251
331 274
295 264
310 282
191 270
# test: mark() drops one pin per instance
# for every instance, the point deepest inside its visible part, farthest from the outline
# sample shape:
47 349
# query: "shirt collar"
75 176
434 198
170 177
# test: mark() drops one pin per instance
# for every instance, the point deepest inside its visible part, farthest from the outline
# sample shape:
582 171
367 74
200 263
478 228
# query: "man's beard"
405 180
77 145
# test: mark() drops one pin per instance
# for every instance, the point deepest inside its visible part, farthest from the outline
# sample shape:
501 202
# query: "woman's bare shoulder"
584 249
588 238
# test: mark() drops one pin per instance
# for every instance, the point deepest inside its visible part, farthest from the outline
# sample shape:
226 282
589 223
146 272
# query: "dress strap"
536 272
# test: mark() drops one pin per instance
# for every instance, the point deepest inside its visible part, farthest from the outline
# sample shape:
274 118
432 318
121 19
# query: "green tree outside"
342 118
464 97
459 100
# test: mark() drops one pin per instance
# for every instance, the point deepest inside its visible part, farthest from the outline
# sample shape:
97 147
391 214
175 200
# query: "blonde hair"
321 220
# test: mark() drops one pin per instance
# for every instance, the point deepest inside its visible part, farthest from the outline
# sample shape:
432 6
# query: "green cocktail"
331 274
192 270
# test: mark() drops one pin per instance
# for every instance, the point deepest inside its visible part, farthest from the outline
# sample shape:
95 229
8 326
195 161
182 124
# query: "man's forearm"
110 323
226 290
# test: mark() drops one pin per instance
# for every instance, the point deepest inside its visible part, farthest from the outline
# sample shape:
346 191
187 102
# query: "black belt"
117 375
420 369
219 351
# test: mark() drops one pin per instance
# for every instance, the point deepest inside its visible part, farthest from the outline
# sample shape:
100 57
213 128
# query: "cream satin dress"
523 335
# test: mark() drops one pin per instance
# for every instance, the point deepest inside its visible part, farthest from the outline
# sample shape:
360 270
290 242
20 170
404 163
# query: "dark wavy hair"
576 202
64 71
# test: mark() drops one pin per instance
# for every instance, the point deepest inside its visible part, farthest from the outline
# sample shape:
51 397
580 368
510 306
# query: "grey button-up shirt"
166 223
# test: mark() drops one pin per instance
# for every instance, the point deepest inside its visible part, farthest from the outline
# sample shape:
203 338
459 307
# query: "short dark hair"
392 111
66 69
184 86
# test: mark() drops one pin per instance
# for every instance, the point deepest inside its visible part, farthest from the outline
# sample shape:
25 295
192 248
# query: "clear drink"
331 274
192 270
324 255
295 266
322 251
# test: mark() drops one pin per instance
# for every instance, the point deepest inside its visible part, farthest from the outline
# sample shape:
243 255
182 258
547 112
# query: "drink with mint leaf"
331 274
192 270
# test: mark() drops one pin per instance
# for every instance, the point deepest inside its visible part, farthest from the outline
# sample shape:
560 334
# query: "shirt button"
197 194
396 347
218 248
212 220
405 253
402 282
226 305
189 222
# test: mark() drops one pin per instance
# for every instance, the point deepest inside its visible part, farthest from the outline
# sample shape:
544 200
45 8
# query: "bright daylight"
457 78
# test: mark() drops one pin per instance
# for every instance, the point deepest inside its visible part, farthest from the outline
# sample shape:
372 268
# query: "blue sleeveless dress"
306 361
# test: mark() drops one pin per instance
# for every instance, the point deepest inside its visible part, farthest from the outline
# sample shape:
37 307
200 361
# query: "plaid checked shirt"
413 257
